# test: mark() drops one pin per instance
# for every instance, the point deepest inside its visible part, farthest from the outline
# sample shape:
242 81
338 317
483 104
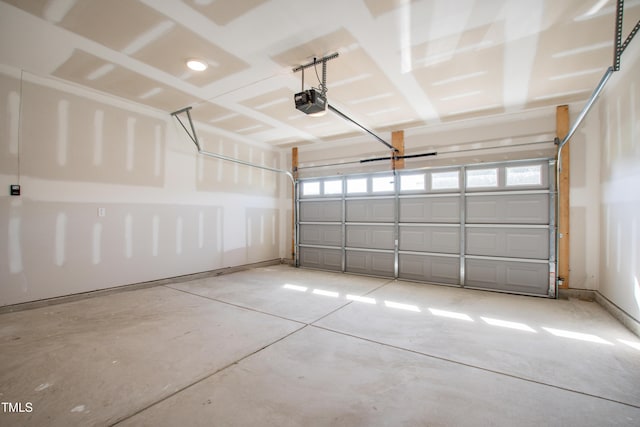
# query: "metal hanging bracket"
619 45
315 61
191 134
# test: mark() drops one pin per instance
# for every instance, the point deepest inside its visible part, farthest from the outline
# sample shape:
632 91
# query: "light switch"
102 212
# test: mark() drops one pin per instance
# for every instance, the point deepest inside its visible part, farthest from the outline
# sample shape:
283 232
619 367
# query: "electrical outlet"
102 212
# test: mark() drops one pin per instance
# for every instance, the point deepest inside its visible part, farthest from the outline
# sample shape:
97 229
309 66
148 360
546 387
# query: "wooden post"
562 128
397 140
294 162
294 171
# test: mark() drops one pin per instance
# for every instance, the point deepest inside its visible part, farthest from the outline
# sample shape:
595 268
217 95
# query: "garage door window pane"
524 175
333 187
445 180
358 185
482 178
382 183
412 182
311 188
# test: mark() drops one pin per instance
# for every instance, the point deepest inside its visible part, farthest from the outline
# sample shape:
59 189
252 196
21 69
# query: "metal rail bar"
462 241
344 116
296 223
586 109
553 268
509 259
194 138
242 162
440 254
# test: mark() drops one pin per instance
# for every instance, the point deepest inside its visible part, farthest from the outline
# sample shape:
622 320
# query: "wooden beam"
397 140
294 171
562 128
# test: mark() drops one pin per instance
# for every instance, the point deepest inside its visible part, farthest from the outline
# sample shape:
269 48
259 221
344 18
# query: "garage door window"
357 185
381 184
311 188
412 182
524 175
333 187
445 180
478 178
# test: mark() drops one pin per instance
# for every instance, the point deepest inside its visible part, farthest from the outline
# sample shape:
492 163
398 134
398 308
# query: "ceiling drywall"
402 64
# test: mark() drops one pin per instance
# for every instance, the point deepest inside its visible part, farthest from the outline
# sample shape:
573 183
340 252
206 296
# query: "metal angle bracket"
192 134
633 32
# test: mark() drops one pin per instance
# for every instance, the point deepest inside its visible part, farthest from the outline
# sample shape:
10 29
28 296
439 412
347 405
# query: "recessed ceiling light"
197 65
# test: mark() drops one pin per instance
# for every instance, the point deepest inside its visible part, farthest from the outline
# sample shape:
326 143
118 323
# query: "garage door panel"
324 259
511 276
508 242
320 210
373 263
321 234
371 210
528 244
370 236
430 209
502 234
430 268
480 242
508 209
430 239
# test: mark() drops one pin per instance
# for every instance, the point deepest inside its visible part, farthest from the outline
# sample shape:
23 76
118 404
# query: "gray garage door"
488 226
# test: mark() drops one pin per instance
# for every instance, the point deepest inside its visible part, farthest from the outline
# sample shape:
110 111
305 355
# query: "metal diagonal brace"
194 138
630 37
344 116
587 107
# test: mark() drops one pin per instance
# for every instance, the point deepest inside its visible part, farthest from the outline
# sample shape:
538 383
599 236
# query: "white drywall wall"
167 212
618 113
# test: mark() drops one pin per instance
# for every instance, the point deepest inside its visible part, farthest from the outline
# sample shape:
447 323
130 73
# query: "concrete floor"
279 346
